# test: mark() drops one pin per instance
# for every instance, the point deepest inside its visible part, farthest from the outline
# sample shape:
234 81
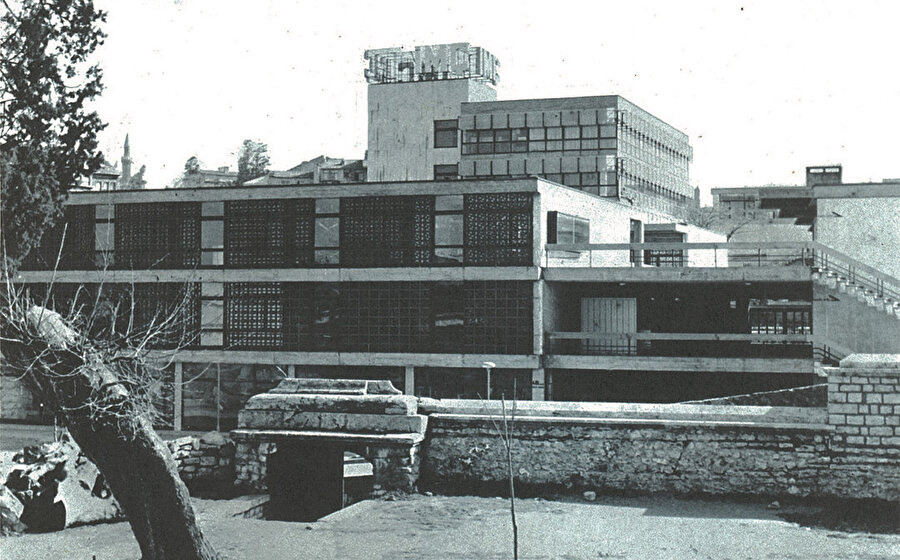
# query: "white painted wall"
401 126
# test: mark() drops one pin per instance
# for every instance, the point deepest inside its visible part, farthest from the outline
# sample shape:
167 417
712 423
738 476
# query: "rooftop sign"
431 62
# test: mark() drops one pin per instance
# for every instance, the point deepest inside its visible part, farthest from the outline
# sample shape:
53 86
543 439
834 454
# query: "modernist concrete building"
423 282
433 114
571 293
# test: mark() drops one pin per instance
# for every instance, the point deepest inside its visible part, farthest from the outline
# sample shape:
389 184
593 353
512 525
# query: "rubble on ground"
54 486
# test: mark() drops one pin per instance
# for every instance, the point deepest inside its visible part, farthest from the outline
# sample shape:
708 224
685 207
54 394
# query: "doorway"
305 481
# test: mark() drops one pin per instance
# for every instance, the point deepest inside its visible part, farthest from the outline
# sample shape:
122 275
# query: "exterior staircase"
845 274
864 314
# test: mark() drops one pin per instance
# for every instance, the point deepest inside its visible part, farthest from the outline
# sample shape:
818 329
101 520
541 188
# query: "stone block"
881 431
875 420
873 398
854 397
842 408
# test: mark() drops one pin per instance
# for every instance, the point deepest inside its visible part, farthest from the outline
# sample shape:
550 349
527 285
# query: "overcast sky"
763 89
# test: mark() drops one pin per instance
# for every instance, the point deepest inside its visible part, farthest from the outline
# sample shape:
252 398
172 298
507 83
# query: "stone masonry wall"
864 408
205 463
463 455
395 467
856 454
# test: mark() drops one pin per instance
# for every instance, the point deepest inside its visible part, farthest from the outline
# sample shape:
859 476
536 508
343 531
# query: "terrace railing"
829 267
717 345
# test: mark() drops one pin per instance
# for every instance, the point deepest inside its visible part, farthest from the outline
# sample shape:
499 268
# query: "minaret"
125 177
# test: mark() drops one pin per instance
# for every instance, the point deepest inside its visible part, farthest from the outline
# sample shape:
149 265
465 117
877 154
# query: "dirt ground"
443 528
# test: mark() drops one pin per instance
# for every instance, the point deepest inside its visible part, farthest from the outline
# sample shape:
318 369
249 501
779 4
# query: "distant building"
320 170
104 179
194 177
110 178
125 178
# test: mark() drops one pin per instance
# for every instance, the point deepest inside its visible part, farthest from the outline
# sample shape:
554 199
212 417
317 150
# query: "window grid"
498 317
157 235
498 229
269 233
387 231
78 254
254 315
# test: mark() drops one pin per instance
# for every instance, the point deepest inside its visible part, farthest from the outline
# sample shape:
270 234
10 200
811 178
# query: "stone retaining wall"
205 463
853 452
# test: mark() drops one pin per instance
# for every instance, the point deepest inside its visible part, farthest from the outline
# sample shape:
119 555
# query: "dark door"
305 481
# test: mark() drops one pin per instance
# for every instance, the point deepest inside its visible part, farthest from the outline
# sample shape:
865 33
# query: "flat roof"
335 190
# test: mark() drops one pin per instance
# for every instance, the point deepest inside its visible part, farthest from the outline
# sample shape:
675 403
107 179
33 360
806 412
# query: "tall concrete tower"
414 105
125 178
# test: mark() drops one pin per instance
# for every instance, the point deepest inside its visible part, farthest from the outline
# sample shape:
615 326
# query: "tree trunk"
135 462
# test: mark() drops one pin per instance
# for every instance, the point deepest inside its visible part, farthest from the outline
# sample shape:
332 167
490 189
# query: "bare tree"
93 368
712 218
505 431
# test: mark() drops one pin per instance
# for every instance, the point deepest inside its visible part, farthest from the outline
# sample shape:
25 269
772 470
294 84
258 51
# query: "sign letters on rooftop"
431 62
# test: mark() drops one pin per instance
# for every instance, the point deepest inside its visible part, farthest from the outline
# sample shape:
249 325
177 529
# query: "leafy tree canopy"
253 161
48 135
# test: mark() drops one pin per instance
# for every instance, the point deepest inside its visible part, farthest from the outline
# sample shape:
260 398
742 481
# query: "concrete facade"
401 126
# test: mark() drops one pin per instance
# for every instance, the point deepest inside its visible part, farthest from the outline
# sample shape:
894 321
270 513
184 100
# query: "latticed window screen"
269 233
167 312
78 253
498 317
498 229
254 315
158 235
387 231
387 317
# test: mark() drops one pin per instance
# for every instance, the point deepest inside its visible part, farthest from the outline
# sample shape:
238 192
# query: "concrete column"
409 380
179 380
537 312
291 371
537 384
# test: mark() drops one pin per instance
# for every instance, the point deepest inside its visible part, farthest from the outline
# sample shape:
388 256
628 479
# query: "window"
664 257
498 229
380 231
157 234
443 172
768 319
566 229
445 133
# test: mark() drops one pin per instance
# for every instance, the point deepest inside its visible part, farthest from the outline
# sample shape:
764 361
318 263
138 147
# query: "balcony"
648 351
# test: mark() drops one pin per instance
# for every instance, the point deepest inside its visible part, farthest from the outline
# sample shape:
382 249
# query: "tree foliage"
48 134
253 161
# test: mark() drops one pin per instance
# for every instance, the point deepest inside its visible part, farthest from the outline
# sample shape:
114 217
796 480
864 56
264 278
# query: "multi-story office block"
602 145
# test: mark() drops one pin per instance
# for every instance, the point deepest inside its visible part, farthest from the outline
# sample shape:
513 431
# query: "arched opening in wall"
308 480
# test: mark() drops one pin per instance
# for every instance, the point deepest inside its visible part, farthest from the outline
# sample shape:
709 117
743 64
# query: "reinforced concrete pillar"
537 384
291 371
409 380
179 396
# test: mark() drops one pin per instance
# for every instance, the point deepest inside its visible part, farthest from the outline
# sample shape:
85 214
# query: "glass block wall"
352 232
458 317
